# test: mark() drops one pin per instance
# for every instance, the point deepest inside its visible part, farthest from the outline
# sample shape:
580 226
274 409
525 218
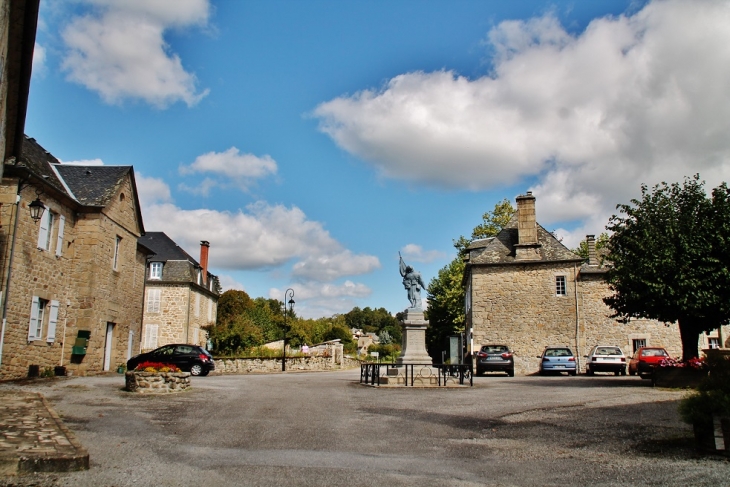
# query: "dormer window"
199 277
155 270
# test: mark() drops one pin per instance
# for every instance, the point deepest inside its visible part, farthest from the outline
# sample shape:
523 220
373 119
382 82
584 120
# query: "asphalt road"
314 429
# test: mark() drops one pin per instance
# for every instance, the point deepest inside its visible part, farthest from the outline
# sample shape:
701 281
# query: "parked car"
495 358
188 358
557 359
606 358
645 359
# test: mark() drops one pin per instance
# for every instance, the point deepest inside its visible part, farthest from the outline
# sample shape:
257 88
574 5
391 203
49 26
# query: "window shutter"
33 319
197 305
59 240
43 230
150 337
153 300
52 320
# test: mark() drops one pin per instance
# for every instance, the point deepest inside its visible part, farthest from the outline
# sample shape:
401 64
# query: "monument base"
414 339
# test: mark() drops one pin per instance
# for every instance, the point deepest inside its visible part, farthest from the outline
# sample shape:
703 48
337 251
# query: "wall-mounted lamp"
37 207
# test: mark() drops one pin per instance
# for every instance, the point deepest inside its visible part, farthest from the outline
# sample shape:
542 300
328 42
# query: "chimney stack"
527 248
204 245
591 241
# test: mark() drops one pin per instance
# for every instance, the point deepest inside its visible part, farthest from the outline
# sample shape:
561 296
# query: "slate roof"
38 161
93 185
501 248
164 248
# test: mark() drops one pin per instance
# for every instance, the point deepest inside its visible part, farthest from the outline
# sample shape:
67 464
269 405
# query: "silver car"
606 358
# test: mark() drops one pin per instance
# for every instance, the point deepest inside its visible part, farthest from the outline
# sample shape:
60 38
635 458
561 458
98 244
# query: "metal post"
288 294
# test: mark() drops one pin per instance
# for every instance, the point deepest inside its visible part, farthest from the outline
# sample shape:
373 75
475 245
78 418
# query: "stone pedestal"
414 339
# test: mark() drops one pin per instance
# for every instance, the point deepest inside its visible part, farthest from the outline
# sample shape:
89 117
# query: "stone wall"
516 305
157 382
90 292
257 365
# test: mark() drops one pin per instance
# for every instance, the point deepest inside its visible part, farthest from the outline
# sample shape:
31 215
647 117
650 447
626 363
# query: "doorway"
108 345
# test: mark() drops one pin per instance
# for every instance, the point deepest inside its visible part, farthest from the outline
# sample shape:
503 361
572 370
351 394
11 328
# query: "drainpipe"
577 320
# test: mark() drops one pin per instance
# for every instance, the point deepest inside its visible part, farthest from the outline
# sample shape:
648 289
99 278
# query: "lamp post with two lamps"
288 294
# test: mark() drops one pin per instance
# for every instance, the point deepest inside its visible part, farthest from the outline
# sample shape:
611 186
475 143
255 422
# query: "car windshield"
558 352
654 352
494 349
608 351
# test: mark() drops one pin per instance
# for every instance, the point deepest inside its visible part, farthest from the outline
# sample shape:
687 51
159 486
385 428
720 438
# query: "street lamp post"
288 294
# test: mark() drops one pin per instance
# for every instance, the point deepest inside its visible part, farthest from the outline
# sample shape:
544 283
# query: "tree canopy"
670 255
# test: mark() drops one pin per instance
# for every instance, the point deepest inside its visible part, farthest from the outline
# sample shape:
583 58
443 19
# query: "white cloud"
314 299
84 162
119 50
228 283
260 237
632 99
416 253
39 59
231 167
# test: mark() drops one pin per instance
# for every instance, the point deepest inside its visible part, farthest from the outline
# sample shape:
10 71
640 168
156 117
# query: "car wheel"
623 371
511 373
632 372
589 371
573 372
196 369
542 372
617 372
645 376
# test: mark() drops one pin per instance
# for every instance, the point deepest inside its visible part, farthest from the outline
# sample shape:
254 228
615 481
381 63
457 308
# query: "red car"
645 359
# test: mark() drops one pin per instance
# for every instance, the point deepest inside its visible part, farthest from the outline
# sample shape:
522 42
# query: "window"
156 270
42 312
44 231
196 335
197 305
560 289
117 244
153 300
713 342
637 343
150 337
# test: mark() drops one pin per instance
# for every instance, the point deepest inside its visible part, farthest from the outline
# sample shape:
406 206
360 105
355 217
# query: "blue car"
557 359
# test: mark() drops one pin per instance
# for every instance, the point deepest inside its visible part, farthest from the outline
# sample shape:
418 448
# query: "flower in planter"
156 367
694 363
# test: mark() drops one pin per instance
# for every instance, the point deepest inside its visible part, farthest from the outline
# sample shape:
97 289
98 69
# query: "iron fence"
416 374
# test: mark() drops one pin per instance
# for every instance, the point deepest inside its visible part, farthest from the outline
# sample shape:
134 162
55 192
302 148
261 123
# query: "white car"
606 358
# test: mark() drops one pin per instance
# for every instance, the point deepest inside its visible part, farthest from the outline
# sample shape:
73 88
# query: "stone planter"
677 377
157 382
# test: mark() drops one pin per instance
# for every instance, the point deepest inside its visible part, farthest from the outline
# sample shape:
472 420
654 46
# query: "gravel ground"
324 428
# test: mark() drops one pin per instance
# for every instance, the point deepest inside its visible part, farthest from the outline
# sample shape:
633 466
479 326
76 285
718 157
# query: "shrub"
712 396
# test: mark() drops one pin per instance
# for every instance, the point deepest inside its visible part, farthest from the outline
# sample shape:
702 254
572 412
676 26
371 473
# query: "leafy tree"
445 291
670 252
232 304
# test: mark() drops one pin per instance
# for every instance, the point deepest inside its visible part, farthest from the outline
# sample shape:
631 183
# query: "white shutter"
59 240
150 337
197 304
52 320
43 230
153 300
33 319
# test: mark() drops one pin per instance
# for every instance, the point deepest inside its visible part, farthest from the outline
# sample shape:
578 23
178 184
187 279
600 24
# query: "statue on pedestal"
413 282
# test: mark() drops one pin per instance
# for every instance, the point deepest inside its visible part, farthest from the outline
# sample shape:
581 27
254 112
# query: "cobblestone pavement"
34 439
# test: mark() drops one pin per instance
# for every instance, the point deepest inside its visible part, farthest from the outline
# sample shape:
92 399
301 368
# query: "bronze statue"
413 282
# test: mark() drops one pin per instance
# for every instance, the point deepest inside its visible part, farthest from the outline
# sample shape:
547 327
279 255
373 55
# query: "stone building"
73 281
181 296
527 290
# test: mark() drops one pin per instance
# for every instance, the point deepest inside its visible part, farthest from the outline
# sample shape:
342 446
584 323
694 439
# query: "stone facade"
529 292
89 277
259 365
179 300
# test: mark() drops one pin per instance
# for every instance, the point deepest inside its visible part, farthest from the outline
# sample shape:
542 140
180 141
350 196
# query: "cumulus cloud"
416 253
119 50
324 299
228 283
39 59
585 118
260 237
228 168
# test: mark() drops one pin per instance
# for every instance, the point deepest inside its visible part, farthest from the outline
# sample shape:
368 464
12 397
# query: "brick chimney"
527 247
204 245
591 243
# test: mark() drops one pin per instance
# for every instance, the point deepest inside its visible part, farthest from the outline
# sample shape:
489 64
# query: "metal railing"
416 374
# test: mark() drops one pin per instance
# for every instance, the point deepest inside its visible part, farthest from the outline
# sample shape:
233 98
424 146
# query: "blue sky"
311 141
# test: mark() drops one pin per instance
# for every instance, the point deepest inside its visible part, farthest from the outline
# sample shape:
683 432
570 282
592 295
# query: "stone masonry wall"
90 292
517 305
256 365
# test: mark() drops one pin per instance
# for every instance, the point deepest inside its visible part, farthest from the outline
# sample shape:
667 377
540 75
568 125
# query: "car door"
184 357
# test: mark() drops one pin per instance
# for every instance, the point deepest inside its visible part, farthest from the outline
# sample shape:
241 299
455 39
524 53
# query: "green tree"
445 291
670 255
232 304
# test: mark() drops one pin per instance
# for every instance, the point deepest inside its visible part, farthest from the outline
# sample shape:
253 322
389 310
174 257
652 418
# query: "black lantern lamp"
37 207
288 294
